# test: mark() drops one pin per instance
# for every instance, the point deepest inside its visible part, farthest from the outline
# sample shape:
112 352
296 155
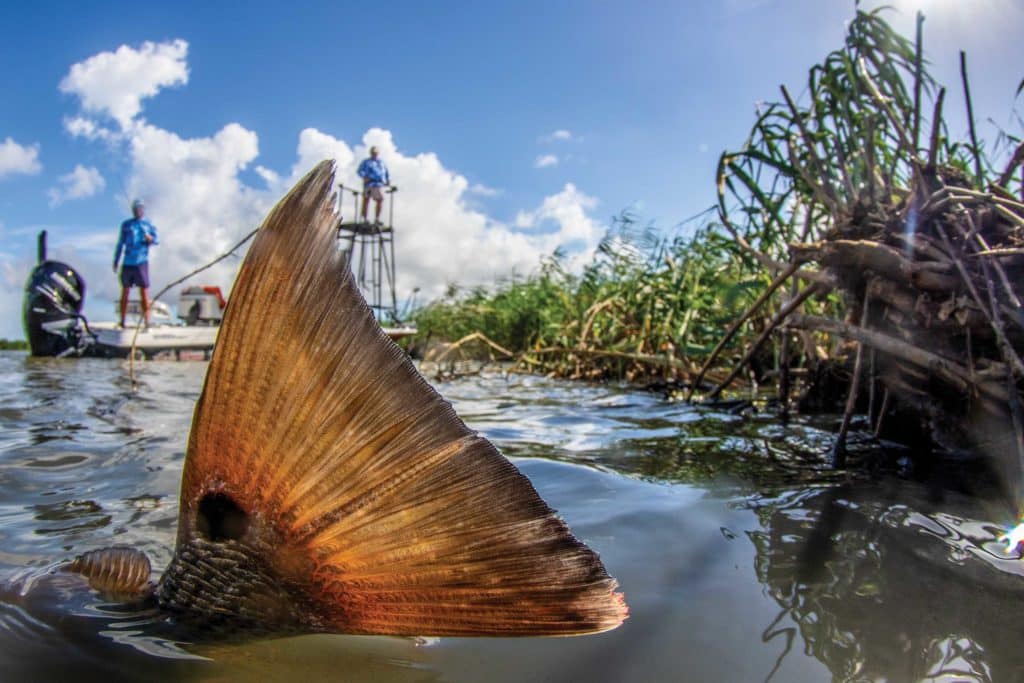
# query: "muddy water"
742 557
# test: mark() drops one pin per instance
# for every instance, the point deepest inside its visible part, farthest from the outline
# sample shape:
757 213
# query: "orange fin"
323 469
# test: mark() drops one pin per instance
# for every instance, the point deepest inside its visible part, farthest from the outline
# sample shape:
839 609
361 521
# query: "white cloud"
81 127
10 298
82 182
192 186
9 275
568 212
197 197
545 160
484 191
440 236
15 158
525 219
270 177
115 83
560 135
197 200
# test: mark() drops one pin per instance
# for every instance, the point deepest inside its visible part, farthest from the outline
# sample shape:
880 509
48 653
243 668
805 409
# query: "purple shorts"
135 276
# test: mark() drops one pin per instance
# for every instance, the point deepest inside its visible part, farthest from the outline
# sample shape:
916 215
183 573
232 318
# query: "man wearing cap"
135 239
375 176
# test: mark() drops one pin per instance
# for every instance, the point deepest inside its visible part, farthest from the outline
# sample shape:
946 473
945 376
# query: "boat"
55 296
55 325
397 332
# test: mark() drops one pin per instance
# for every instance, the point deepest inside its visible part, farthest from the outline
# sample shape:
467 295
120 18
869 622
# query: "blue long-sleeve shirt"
373 172
132 241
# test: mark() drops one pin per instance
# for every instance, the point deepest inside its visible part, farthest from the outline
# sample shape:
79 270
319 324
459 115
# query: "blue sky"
511 128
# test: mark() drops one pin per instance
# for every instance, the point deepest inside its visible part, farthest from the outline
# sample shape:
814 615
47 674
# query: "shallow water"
741 556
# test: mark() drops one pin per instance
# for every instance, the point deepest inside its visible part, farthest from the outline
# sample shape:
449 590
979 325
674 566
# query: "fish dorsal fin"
320 454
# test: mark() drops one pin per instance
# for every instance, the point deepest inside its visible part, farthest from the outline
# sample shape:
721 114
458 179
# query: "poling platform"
369 247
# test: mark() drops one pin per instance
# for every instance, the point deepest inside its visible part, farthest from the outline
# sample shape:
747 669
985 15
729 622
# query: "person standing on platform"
375 176
137 236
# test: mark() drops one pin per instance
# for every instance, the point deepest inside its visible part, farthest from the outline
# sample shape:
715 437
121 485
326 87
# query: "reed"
919 242
645 308
851 229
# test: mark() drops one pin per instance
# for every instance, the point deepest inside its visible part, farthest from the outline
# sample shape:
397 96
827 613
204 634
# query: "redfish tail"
327 486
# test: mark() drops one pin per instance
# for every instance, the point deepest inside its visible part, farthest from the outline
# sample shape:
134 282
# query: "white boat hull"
397 333
181 342
155 341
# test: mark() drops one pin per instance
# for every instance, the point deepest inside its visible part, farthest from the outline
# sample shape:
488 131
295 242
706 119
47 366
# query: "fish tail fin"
322 467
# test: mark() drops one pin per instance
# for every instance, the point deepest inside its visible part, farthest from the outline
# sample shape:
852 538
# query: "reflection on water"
879 590
743 557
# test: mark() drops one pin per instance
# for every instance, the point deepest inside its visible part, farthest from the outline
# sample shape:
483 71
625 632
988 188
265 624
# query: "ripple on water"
68 516
56 462
727 534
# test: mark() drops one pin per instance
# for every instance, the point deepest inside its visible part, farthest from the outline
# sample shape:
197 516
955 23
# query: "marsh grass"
843 159
645 308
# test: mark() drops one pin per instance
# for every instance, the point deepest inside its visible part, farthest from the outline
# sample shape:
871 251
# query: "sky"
511 129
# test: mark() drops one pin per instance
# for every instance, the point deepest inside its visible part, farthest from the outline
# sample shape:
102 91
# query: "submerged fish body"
328 487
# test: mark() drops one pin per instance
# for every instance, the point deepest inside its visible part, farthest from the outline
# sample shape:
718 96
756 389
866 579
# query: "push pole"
391 243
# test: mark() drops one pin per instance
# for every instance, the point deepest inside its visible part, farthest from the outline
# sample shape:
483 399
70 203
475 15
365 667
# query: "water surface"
742 557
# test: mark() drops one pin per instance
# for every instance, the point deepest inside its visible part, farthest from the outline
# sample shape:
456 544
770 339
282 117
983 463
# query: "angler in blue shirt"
137 235
375 175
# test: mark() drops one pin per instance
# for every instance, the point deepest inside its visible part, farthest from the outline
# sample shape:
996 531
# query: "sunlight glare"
1013 538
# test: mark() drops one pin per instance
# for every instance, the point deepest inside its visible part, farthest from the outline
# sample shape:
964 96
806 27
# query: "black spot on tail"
220 518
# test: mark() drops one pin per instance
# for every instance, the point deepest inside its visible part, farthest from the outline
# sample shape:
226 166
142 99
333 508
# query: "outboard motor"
54 296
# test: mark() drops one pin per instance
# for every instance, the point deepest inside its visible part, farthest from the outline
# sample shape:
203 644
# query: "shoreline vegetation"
859 260
13 345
